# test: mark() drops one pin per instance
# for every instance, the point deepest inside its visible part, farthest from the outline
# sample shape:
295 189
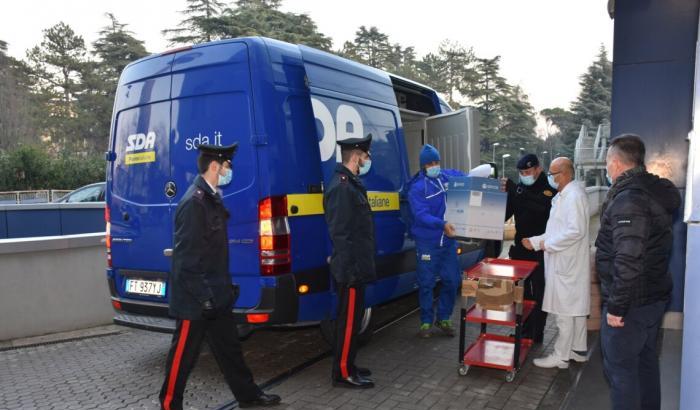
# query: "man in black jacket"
201 292
634 247
530 201
351 228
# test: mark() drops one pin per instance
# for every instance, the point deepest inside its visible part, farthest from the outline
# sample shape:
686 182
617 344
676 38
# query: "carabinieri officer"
201 292
349 218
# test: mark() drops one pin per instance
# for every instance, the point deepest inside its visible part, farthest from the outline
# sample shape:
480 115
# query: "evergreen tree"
116 47
562 130
263 18
371 47
200 25
17 123
457 68
593 103
56 67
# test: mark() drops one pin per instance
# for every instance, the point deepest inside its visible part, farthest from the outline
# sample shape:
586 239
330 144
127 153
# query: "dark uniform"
349 218
530 205
202 295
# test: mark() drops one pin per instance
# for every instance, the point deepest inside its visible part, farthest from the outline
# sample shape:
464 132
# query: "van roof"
283 51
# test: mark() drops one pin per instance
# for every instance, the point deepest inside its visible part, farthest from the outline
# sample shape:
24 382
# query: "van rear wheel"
328 326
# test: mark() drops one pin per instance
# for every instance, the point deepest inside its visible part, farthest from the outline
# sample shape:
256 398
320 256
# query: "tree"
56 69
487 92
17 123
562 130
200 25
593 103
370 47
263 18
116 47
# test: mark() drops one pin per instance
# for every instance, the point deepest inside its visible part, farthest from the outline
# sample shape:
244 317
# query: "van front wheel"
328 327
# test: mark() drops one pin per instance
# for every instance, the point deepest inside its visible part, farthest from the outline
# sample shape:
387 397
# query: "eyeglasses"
551 174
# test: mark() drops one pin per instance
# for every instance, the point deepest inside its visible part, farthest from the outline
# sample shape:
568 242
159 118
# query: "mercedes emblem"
170 189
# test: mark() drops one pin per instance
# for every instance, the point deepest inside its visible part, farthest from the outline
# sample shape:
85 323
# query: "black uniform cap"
218 152
528 161
356 143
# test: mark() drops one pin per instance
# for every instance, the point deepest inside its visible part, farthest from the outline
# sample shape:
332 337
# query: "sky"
545 45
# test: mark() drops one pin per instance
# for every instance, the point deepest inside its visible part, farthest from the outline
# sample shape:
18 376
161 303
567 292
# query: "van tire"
327 327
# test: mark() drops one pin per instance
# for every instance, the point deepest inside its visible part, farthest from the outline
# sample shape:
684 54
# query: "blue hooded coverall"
436 253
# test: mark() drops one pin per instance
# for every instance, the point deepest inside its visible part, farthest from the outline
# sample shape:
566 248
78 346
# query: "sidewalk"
416 374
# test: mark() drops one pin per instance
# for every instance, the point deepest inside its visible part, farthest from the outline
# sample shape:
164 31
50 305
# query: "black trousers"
351 306
222 336
533 328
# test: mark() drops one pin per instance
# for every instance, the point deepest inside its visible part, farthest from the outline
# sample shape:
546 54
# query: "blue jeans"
434 262
630 360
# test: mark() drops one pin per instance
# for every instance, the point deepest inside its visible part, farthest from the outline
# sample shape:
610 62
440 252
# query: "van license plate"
145 287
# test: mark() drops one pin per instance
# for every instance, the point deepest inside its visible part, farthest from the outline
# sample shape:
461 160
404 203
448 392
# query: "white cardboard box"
476 207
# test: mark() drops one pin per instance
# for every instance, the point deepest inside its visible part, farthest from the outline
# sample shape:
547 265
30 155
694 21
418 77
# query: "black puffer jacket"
634 242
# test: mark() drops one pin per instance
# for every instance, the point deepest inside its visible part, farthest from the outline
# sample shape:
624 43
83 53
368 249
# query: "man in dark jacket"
634 247
530 201
201 291
351 228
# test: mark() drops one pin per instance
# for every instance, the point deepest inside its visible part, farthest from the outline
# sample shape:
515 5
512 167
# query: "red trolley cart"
491 350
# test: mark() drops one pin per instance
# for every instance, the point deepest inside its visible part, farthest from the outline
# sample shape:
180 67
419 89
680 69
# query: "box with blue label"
476 207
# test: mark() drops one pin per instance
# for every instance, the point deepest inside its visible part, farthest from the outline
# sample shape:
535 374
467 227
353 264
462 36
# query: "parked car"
88 193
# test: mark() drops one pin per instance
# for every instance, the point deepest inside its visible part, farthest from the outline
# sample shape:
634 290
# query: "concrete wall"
52 284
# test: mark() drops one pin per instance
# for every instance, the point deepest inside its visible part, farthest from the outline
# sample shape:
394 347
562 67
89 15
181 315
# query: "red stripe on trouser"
175 367
348 334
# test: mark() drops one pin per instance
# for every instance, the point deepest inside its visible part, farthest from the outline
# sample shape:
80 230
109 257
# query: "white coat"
567 270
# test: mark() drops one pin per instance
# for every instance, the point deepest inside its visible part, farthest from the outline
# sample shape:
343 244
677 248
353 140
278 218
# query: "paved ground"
125 370
413 374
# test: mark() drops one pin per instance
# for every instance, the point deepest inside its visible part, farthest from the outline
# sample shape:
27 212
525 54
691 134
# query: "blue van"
286 106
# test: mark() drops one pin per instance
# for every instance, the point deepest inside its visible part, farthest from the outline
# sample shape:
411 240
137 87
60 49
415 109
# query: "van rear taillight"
108 236
275 242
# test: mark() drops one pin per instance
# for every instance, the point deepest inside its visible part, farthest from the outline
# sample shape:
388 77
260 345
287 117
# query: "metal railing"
31 197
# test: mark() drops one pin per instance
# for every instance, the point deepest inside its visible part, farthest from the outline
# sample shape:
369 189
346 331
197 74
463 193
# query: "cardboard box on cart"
476 207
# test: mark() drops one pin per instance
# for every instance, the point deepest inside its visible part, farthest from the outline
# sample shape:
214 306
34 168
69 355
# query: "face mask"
226 178
527 179
552 183
608 177
365 167
433 172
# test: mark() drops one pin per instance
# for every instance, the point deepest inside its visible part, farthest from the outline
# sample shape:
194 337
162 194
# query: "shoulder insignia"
343 178
198 193
547 192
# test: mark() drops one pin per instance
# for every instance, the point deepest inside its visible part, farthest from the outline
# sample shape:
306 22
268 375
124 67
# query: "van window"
345 119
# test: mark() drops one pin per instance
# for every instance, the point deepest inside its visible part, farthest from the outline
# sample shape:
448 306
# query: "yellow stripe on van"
140 158
306 204
312 204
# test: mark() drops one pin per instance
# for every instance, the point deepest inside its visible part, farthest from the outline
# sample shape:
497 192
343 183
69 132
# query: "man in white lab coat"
566 265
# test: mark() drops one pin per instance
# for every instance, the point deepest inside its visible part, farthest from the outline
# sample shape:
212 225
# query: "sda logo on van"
144 144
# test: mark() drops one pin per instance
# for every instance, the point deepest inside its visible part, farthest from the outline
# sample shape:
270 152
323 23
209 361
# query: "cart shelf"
496 352
494 317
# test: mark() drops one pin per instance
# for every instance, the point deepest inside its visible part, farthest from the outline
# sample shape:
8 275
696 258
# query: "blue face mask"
552 183
226 178
527 179
607 176
365 167
433 172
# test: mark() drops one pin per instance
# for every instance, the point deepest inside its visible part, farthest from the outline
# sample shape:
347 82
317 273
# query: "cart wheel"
463 369
510 376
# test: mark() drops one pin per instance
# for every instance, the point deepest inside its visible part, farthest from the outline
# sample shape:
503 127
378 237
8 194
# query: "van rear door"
211 104
456 136
139 175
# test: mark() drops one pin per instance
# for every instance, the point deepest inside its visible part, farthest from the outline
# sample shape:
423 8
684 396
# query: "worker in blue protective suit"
436 250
